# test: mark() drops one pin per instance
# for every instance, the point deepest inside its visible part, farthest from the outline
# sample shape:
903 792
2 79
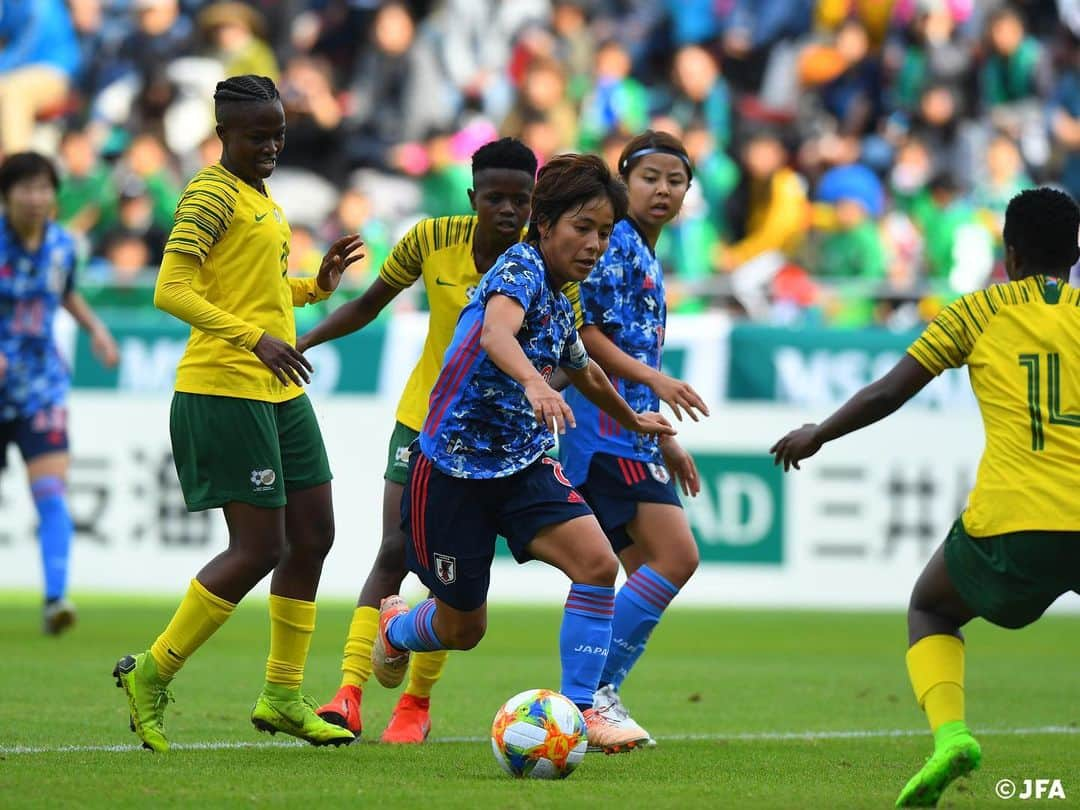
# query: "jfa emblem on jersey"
445 568
659 472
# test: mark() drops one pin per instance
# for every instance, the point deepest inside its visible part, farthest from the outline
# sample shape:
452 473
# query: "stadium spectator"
86 200
616 100
236 36
543 94
38 62
701 95
1065 118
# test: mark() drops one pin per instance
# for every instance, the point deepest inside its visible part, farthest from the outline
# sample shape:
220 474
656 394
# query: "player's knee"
463 636
683 564
390 558
598 568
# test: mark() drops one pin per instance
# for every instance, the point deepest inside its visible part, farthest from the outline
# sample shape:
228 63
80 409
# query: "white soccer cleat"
608 705
606 701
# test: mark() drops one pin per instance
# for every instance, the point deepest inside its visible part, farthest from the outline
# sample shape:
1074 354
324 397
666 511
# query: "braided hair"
241 90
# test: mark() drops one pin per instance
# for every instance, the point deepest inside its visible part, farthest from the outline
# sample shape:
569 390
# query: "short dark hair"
572 180
23 165
505 153
1041 225
663 142
241 90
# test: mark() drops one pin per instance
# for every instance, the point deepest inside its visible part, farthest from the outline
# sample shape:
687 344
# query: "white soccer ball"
539 734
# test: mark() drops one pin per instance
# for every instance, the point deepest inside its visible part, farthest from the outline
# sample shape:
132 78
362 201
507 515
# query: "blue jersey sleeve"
603 292
515 279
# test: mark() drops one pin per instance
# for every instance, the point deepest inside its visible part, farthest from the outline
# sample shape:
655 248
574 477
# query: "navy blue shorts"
44 432
614 488
452 523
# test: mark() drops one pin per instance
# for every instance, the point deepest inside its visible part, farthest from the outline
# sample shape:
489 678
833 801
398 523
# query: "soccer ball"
539 734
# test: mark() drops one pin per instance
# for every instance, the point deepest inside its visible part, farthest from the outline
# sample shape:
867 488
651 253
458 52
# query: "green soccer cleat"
147 695
280 708
956 754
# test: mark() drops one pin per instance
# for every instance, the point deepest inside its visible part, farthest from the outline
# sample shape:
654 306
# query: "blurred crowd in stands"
853 157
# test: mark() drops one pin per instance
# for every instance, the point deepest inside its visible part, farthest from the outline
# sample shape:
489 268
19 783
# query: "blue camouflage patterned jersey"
624 297
32 287
480 423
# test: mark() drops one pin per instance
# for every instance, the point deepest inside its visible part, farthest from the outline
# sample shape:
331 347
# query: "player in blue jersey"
482 469
37 277
629 478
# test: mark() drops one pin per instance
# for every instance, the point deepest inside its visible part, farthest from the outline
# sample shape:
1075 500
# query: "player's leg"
43 443
227 456
450 542
935 663
309 535
579 549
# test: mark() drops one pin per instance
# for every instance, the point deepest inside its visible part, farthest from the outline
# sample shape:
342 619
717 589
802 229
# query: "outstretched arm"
615 361
874 402
597 388
350 316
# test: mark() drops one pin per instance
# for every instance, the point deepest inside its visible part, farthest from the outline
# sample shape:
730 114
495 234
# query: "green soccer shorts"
397 456
228 449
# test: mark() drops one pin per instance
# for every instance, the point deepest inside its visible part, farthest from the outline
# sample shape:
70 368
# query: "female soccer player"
450 255
244 434
480 469
627 478
37 275
1016 547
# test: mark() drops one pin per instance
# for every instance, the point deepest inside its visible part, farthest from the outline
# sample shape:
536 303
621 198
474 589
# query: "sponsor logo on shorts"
659 472
445 568
263 480
574 497
402 456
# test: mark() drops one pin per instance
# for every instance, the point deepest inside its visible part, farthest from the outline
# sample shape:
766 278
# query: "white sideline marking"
764 736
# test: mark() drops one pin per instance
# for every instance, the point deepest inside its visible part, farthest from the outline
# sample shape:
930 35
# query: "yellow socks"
425 669
292 621
936 668
199 616
356 663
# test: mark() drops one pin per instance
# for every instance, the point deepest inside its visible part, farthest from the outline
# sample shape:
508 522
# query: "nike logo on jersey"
261 217
442 283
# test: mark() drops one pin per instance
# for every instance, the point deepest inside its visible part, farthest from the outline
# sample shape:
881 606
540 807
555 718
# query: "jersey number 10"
1032 363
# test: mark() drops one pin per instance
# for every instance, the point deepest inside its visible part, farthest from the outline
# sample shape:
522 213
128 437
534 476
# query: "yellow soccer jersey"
441 252
241 241
1021 344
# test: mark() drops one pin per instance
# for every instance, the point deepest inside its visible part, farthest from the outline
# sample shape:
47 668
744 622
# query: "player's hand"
650 422
678 395
341 254
681 465
104 347
549 406
799 444
282 359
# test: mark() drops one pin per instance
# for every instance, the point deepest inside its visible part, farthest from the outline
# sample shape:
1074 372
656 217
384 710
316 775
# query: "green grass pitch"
751 709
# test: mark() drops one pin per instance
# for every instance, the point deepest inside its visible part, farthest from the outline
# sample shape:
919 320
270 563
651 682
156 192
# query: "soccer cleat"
57 617
387 662
956 754
604 735
280 708
344 709
147 695
410 722
606 700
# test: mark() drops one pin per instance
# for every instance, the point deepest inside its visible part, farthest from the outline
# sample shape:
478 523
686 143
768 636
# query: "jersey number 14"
1031 362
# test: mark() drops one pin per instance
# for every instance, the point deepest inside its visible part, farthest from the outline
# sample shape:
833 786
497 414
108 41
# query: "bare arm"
350 316
615 361
874 402
597 388
101 339
503 317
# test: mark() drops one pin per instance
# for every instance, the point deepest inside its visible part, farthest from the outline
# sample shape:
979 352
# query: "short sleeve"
515 279
203 214
949 339
603 292
405 263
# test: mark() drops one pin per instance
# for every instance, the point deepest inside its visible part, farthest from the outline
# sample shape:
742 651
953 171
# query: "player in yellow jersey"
450 255
1016 547
244 434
